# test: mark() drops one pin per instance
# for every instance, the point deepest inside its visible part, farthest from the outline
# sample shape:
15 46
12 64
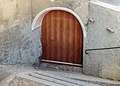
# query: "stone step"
81 77
75 73
27 80
50 77
43 79
60 67
63 80
3 74
54 80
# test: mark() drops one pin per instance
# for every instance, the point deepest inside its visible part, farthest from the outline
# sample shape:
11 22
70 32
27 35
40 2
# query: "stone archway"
38 19
37 22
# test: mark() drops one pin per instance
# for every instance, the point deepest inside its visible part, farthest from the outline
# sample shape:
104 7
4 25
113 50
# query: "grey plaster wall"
114 2
103 63
79 6
18 44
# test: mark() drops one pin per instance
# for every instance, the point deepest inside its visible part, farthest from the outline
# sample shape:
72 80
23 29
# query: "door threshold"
62 63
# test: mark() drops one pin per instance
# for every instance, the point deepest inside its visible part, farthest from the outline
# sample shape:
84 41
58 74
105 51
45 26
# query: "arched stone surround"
37 22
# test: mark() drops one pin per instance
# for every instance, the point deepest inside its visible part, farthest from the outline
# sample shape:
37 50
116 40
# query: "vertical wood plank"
52 37
75 59
59 35
48 33
67 30
56 36
62 37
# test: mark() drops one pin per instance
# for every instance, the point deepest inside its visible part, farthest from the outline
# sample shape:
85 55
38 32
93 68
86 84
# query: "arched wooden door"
62 38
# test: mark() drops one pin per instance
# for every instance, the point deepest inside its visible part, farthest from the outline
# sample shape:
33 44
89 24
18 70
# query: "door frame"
37 22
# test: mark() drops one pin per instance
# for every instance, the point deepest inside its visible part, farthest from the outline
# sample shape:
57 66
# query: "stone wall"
114 2
103 63
78 6
18 44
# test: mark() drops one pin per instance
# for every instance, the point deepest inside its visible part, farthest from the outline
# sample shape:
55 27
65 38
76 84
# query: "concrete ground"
48 76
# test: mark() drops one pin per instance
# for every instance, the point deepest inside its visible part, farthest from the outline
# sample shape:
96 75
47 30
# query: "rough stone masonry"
20 45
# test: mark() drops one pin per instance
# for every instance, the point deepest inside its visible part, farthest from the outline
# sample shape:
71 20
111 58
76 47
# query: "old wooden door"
62 38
